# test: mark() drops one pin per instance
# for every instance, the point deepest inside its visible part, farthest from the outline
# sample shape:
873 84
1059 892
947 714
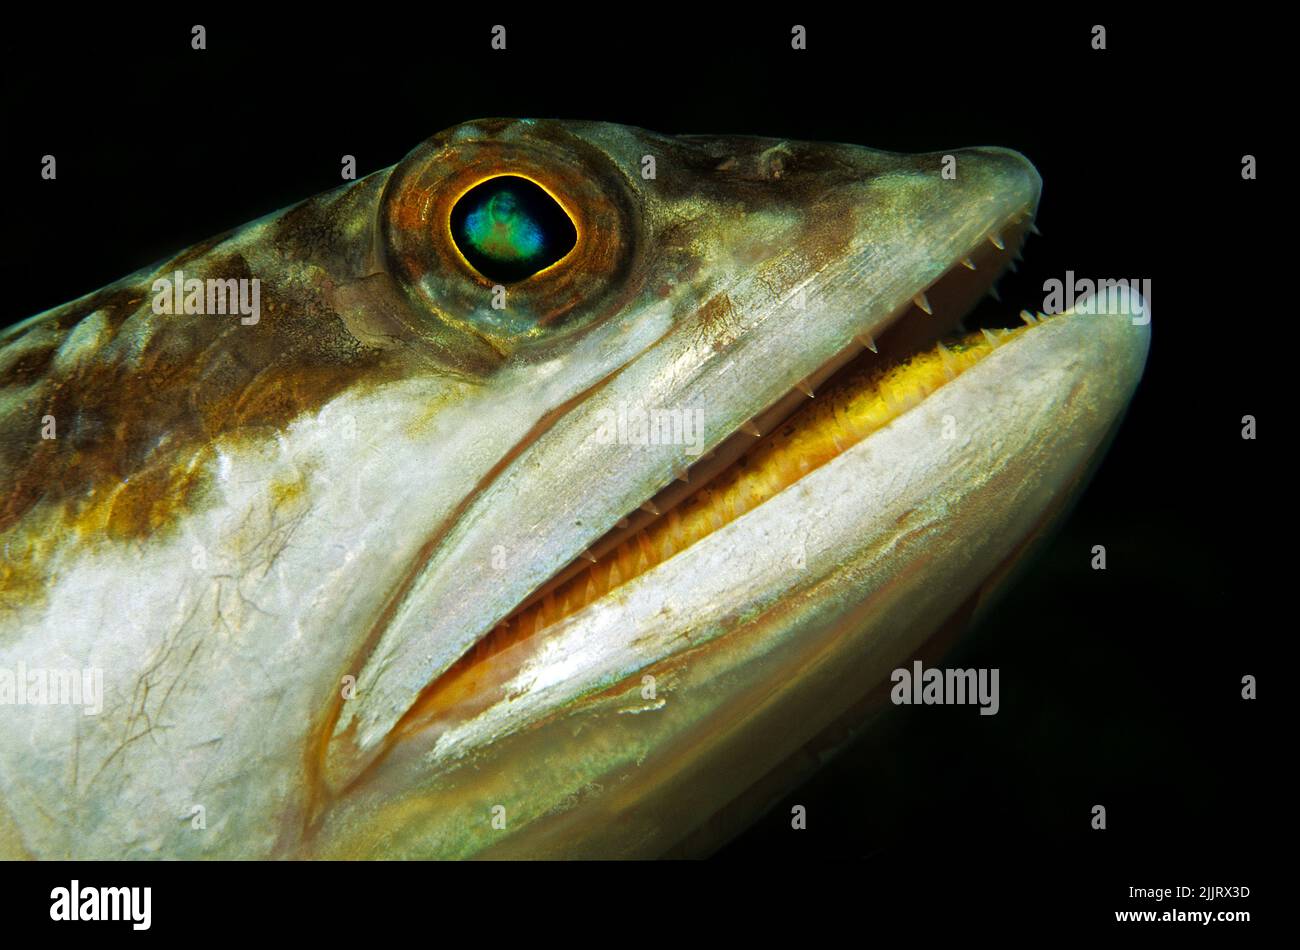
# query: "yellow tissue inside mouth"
860 400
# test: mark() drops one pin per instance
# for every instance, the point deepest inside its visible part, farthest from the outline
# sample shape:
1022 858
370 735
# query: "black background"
1120 687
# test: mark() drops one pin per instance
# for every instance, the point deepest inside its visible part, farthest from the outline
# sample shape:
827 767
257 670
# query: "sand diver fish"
539 496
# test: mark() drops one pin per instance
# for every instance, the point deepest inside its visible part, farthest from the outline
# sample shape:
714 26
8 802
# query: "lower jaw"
748 661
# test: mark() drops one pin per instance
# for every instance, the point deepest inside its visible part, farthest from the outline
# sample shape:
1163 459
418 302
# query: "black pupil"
509 228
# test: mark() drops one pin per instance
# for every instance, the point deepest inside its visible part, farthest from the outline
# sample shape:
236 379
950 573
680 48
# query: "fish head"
399 558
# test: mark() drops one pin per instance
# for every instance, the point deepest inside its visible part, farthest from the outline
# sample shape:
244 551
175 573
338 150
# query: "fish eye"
510 235
508 228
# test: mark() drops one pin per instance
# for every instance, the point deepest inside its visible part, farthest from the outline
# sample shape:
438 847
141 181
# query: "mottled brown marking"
31 367
132 435
719 321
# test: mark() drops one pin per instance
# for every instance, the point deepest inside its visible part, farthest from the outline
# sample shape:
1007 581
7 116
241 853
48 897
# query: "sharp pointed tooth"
804 388
867 342
1028 318
1033 229
1013 267
650 507
996 241
989 337
748 427
993 292
588 556
922 301
683 475
967 263
948 369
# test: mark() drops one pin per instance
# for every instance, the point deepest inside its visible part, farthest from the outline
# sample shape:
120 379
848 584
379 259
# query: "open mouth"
865 387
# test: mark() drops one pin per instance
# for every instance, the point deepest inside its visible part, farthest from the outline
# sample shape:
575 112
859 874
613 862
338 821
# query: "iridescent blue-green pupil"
502 230
509 228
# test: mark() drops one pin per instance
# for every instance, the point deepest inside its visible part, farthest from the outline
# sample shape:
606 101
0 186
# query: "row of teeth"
922 302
